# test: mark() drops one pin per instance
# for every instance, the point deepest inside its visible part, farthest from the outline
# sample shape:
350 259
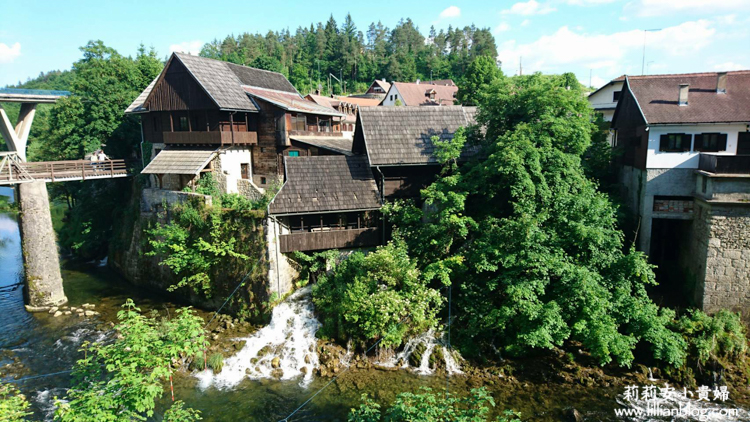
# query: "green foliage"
120 380
195 241
13 405
178 413
7 206
427 406
309 54
207 185
482 72
597 160
311 266
216 362
528 239
376 296
717 338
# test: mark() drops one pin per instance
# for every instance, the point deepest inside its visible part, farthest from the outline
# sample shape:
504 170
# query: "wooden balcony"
222 138
724 164
333 239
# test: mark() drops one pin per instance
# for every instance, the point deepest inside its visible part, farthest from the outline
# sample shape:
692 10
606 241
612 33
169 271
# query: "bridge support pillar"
44 287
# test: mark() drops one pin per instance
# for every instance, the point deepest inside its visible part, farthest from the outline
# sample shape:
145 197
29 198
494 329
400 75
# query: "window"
262 149
299 122
616 96
262 180
245 170
675 142
184 124
391 97
294 153
711 142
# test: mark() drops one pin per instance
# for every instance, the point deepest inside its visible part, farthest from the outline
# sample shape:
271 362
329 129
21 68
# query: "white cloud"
501 28
8 54
525 22
668 7
598 82
567 49
450 12
192 47
588 2
531 7
730 66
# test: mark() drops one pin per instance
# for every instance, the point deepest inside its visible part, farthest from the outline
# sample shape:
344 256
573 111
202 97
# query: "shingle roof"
402 135
381 83
322 100
219 81
177 161
137 105
325 184
445 82
657 96
262 78
291 101
361 101
338 144
416 94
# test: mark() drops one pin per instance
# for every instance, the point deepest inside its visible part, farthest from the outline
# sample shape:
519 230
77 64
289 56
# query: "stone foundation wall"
722 241
281 272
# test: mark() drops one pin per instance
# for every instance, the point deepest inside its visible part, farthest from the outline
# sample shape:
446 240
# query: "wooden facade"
338 239
632 137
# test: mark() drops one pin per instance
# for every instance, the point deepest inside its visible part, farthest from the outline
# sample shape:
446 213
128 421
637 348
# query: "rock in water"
275 362
573 415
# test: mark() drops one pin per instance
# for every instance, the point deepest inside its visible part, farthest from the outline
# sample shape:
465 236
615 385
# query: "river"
39 344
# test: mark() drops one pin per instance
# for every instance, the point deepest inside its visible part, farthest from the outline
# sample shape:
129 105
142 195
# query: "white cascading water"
430 342
290 336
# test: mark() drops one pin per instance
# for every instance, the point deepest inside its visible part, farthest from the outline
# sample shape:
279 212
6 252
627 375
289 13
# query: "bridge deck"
61 171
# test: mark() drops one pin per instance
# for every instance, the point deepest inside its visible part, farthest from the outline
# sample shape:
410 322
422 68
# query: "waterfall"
286 348
428 342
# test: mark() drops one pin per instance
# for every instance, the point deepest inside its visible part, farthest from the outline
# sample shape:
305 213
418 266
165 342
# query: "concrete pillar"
44 287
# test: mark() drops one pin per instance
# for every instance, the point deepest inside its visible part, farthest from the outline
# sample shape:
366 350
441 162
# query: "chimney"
683 100
417 81
721 83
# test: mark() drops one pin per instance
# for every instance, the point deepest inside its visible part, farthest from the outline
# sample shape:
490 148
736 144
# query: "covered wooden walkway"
14 171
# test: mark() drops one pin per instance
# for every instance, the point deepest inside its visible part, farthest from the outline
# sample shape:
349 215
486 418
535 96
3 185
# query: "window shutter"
722 143
663 142
699 142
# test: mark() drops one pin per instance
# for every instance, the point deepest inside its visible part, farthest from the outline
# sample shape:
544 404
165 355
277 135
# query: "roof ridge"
672 75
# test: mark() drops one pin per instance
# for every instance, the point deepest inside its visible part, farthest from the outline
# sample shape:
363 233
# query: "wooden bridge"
13 170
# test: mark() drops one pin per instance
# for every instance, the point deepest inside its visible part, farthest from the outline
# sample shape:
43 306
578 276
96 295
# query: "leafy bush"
216 362
121 380
178 413
430 407
374 296
713 338
207 185
13 405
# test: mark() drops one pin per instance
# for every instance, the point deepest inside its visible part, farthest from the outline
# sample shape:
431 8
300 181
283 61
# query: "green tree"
537 255
376 296
482 72
121 380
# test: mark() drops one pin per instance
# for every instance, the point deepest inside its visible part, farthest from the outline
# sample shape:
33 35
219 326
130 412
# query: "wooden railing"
334 239
211 138
724 164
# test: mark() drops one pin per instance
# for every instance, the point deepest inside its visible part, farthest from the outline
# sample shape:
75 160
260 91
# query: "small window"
184 124
616 96
262 149
391 97
711 142
294 153
397 96
245 170
262 180
675 142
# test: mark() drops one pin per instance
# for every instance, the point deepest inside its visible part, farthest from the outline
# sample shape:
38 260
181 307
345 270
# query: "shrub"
713 338
430 407
369 297
216 362
13 405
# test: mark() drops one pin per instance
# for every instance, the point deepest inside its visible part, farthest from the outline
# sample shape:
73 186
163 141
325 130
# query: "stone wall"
281 272
153 200
722 241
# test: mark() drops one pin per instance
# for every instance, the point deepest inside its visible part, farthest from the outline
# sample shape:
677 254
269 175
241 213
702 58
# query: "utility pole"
520 66
591 71
643 63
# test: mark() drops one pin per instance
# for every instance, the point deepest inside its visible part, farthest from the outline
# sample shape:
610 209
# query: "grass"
216 362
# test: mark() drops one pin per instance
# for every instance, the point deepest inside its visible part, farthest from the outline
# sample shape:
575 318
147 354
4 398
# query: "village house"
378 87
420 94
604 100
202 115
685 170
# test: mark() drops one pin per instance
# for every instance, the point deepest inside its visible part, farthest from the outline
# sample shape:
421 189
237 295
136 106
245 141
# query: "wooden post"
302 223
83 171
111 168
231 125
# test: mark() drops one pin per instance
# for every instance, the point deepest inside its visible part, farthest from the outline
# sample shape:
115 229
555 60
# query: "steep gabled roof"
260 78
180 161
137 105
337 144
381 83
219 81
403 135
326 184
417 94
657 97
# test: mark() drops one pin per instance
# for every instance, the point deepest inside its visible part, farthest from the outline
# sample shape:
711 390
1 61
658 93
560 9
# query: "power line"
41 376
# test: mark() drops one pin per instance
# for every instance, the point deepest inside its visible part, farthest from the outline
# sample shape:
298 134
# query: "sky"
598 40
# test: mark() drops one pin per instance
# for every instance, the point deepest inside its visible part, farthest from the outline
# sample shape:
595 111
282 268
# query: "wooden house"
246 119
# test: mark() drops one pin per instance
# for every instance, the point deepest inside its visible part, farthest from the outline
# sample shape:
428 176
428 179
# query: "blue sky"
603 38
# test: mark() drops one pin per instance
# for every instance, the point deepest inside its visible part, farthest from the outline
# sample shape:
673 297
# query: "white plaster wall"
231 160
603 99
656 159
396 96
